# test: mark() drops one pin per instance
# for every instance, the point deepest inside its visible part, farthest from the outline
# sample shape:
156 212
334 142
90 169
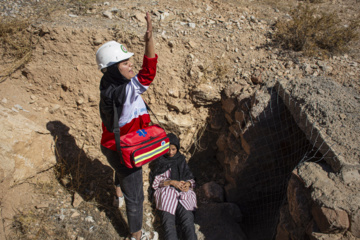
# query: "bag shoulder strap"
148 108
116 131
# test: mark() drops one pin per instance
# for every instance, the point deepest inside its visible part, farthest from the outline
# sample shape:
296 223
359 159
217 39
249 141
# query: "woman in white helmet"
121 85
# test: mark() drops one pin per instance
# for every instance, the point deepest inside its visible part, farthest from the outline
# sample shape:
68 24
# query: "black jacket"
112 89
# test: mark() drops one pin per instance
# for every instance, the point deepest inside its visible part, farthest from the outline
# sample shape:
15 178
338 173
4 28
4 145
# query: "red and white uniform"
167 198
134 115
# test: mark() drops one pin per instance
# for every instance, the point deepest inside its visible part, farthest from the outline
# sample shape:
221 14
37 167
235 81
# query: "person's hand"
176 184
149 41
185 186
148 34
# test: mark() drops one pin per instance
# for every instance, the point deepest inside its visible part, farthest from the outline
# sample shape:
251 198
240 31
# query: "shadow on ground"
87 177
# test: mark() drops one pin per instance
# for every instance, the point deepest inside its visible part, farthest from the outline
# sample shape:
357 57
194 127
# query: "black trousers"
185 219
131 183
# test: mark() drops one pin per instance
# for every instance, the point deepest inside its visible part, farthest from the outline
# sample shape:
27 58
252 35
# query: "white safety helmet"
110 53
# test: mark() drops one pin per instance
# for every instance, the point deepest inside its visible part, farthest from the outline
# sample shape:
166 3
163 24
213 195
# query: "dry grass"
67 174
17 39
14 38
72 172
281 5
55 220
313 1
197 139
17 43
215 69
81 6
315 33
221 68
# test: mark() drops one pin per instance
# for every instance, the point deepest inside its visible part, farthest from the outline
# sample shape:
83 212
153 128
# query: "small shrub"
16 45
221 68
315 33
13 37
81 6
313 1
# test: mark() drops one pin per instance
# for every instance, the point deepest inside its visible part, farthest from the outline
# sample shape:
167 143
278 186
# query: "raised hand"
149 42
148 34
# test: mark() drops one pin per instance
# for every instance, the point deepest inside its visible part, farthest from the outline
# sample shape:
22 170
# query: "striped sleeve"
188 200
192 182
160 179
166 197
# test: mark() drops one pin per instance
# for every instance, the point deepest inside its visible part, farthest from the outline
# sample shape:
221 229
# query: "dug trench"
251 161
242 173
262 168
243 162
267 145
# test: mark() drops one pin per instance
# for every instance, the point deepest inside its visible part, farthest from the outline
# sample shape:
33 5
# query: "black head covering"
112 88
180 171
112 75
174 140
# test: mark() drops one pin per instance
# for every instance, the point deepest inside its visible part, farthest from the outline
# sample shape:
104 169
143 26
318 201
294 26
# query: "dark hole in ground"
277 146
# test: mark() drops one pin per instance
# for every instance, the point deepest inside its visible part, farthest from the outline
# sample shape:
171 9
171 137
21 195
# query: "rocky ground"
203 47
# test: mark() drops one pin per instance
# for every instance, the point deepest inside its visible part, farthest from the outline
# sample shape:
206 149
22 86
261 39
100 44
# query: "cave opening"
258 183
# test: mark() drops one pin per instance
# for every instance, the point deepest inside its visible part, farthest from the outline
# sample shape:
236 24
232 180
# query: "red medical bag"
143 146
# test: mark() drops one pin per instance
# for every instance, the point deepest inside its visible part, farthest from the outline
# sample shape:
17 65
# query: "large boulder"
213 191
205 94
330 220
25 148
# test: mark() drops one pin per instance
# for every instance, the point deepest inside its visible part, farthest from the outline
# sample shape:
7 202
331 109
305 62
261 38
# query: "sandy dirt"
198 42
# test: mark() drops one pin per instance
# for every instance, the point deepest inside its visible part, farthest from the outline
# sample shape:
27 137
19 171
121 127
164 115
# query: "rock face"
260 145
258 148
321 210
330 220
205 94
323 197
25 148
328 108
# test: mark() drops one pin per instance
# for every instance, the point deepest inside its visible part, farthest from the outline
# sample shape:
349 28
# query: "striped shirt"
167 197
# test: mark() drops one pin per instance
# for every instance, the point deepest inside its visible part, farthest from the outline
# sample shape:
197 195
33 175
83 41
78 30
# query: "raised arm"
149 41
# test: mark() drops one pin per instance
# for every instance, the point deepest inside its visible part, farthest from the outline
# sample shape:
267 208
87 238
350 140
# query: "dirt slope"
199 43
